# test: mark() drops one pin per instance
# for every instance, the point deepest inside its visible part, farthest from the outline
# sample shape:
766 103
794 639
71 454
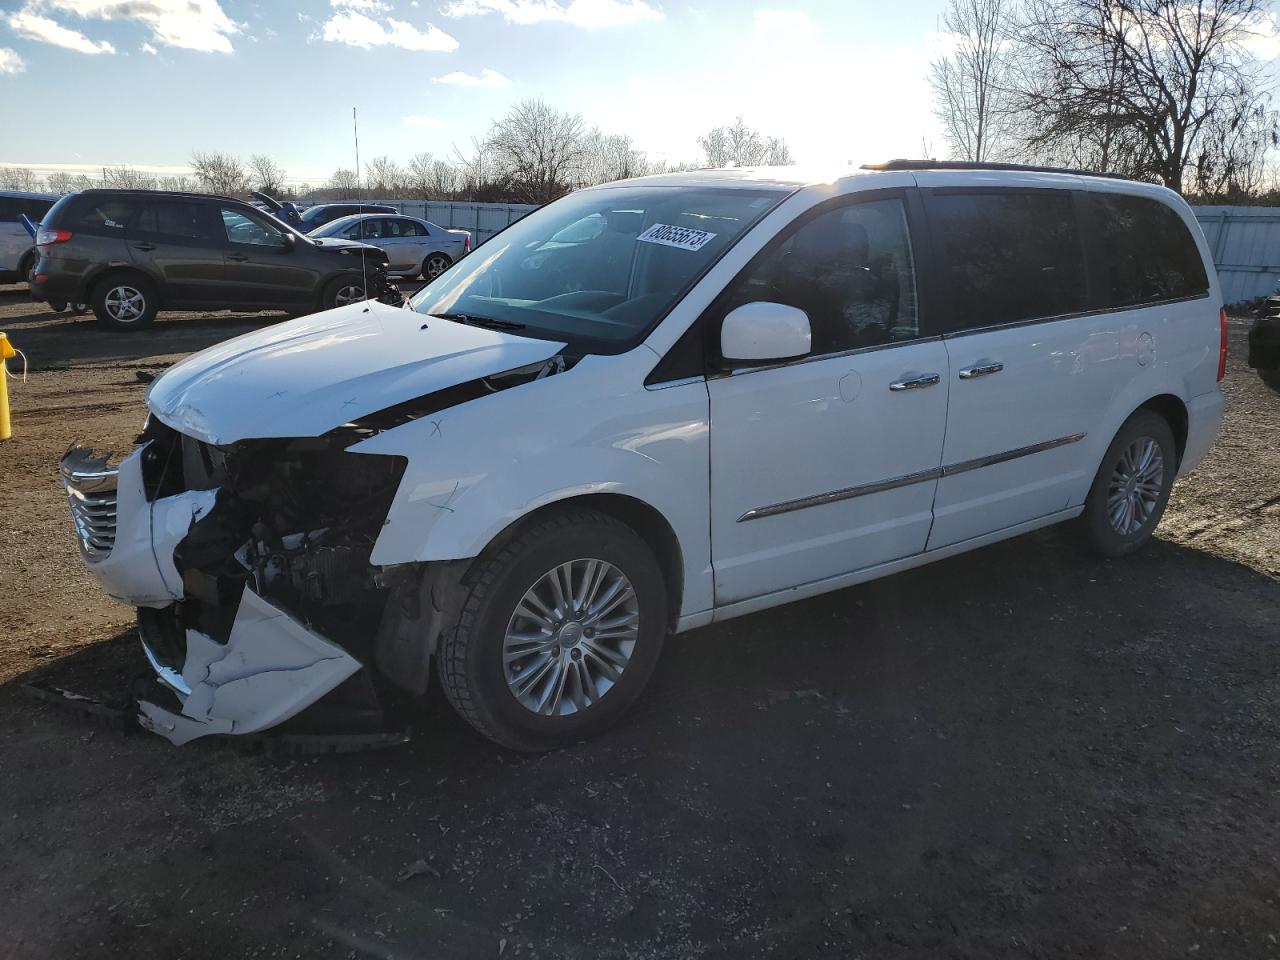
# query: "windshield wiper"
489 323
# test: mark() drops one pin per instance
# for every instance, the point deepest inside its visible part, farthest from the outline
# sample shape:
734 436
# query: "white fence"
1245 240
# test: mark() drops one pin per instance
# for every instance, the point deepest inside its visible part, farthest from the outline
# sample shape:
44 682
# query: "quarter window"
1009 256
1147 254
850 269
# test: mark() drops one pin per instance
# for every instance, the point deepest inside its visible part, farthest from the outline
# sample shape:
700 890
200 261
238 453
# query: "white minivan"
646 407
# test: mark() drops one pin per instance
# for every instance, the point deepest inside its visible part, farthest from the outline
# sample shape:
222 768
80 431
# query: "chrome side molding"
923 476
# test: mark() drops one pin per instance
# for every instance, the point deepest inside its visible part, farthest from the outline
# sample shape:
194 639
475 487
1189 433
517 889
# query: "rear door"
264 270
178 241
828 464
1031 370
403 242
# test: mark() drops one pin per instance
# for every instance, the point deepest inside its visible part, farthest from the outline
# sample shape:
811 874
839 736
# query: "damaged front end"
249 565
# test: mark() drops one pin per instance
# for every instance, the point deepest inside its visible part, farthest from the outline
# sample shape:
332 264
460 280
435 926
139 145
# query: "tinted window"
1009 256
34 209
243 228
1147 253
8 208
108 215
849 269
175 218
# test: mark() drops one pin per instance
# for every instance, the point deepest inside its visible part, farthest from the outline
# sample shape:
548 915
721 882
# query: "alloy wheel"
125 304
571 637
434 267
351 293
1137 482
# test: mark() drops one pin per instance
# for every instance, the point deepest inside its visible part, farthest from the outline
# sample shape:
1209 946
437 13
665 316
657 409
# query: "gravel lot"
1022 752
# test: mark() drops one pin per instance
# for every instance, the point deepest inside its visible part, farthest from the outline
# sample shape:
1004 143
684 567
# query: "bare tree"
345 183
19 178
539 149
219 172
738 145
265 174
127 178
609 157
971 85
178 184
474 169
1154 88
60 182
444 179
383 177
417 178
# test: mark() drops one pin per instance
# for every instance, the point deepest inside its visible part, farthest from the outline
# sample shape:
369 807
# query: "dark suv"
129 253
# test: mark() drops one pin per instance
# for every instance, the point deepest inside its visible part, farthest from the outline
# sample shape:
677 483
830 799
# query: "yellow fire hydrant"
6 352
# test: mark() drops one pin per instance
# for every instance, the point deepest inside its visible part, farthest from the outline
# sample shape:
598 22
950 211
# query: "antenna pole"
364 270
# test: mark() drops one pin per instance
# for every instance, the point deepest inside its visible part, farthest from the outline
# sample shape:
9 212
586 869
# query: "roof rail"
971 165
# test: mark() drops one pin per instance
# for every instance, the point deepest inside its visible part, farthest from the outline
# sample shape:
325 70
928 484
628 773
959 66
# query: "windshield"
600 265
335 227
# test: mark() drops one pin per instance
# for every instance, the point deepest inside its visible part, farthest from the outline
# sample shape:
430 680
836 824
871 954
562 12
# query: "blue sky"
144 84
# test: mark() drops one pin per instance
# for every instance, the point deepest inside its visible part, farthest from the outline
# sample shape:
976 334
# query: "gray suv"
130 253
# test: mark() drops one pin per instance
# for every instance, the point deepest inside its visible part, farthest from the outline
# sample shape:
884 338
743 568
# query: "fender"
461 489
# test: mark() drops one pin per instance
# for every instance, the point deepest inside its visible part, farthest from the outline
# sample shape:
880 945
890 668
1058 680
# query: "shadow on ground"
1020 752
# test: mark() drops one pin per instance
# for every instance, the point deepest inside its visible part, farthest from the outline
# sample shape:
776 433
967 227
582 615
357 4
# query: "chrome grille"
91 488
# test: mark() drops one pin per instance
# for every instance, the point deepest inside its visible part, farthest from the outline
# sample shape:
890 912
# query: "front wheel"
1132 486
343 292
124 303
434 265
559 632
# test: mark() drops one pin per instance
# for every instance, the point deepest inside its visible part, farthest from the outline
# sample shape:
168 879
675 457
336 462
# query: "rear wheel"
1132 486
124 302
434 265
27 266
1271 378
559 632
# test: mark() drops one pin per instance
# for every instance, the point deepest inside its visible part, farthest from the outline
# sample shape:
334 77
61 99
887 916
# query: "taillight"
466 244
1222 343
45 237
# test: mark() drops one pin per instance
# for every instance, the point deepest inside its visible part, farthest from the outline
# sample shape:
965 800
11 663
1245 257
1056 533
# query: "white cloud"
591 14
33 26
370 6
792 25
10 62
486 78
417 120
191 24
357 30
1263 39
148 48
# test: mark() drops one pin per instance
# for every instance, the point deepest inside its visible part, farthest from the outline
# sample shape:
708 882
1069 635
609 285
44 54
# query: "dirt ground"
1022 752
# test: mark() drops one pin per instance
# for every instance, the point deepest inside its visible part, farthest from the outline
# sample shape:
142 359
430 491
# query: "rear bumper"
1204 420
1264 344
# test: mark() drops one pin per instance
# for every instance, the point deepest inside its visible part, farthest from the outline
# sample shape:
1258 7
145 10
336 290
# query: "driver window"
850 269
242 228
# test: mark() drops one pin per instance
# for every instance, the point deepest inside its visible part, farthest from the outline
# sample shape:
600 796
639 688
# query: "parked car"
1264 343
414 248
743 389
286 211
130 253
322 213
17 251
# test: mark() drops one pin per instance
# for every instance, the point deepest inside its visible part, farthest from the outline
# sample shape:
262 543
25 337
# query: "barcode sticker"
670 236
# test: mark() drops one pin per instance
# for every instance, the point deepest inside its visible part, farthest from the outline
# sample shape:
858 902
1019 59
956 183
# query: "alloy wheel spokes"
571 637
125 303
1136 485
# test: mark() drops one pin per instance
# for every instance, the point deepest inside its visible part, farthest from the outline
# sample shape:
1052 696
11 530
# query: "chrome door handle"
915 383
980 370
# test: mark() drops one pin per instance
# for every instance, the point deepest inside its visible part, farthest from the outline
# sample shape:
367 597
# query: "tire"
125 302
1271 378
1115 522
341 292
26 266
434 265
487 693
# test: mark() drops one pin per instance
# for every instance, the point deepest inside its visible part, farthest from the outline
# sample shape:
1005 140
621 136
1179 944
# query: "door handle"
915 383
237 257
144 246
980 370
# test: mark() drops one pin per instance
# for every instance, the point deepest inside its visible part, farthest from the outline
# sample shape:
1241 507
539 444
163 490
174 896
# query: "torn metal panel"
270 669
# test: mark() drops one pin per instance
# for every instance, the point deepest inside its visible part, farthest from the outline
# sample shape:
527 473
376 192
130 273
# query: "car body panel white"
306 377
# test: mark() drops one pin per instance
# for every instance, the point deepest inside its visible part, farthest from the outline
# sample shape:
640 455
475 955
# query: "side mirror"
761 331
290 241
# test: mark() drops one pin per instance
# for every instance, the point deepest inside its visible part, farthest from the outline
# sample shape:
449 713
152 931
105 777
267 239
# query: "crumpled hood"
305 377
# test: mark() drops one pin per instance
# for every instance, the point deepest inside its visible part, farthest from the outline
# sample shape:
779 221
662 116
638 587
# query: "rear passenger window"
183 221
34 209
8 209
1009 256
1146 252
849 269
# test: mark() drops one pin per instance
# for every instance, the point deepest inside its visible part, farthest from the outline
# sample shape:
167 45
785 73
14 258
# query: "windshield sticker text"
671 236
